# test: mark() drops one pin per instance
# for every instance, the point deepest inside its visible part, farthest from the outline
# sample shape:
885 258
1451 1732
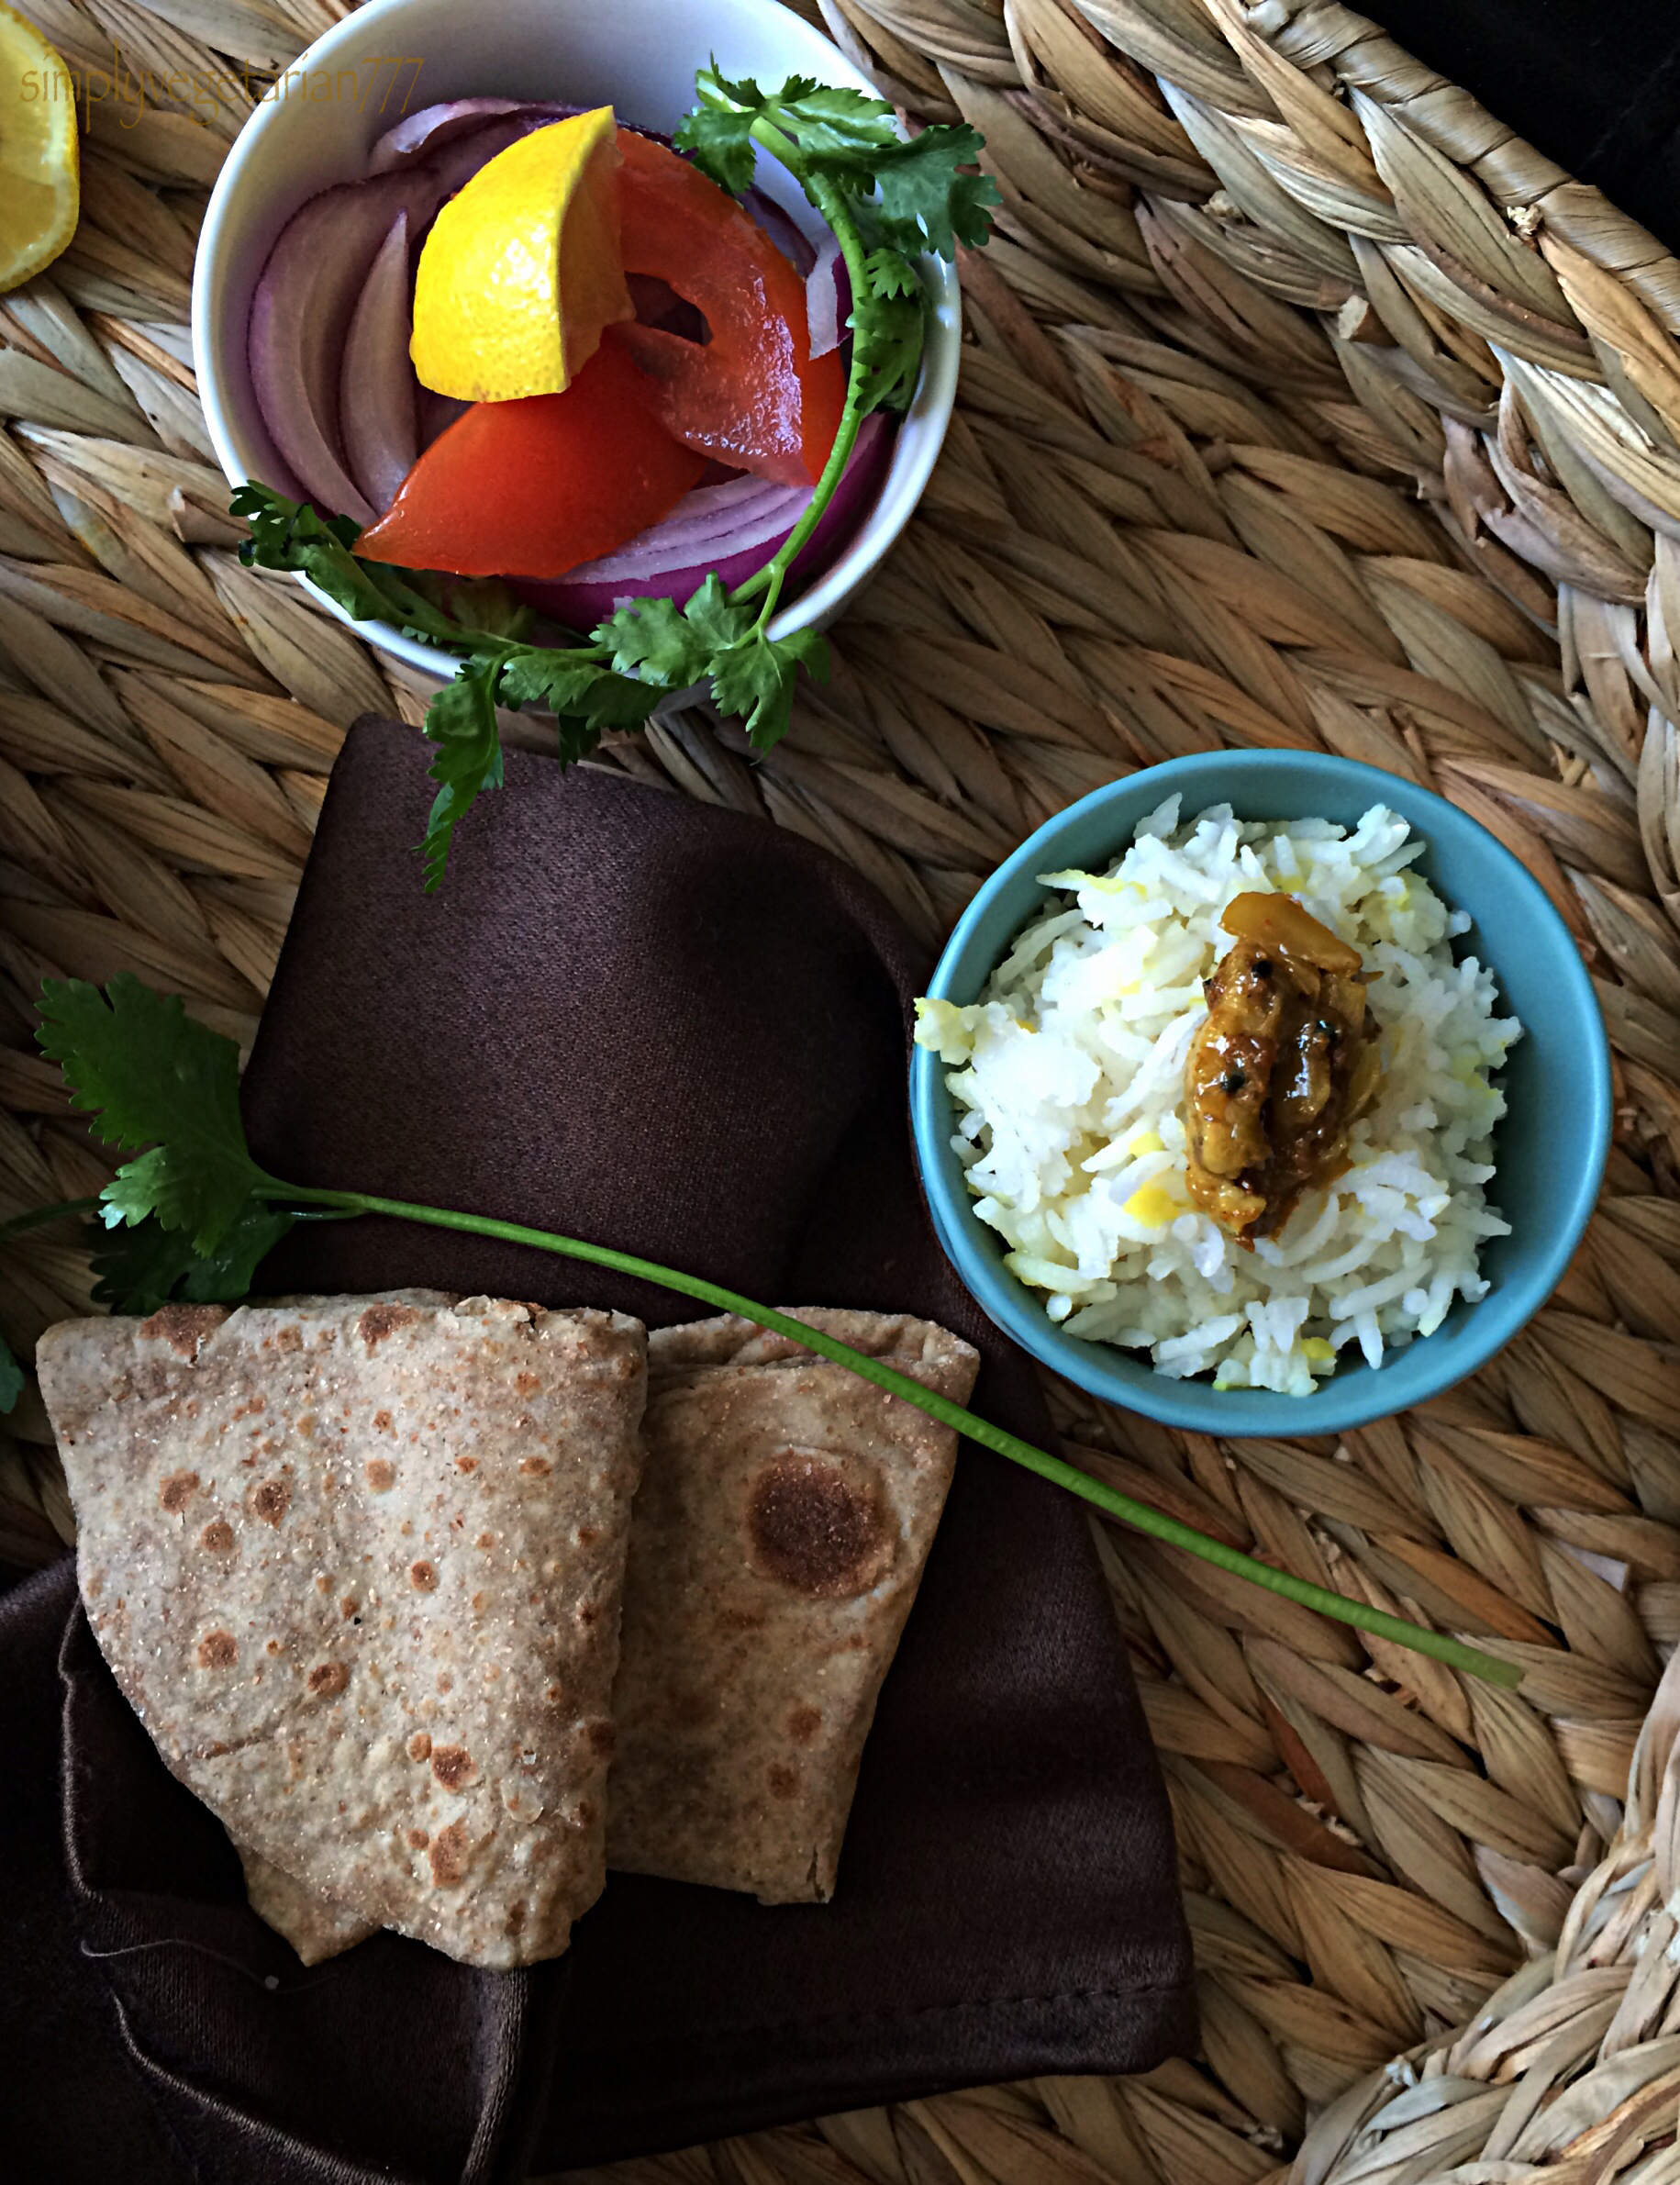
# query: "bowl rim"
1124 1379
915 451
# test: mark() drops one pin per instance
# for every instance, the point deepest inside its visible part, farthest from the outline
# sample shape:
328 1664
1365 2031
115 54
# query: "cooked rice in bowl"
1069 1080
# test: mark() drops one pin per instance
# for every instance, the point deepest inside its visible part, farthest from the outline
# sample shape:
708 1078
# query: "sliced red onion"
376 387
822 297
307 293
417 135
300 318
436 412
762 516
672 559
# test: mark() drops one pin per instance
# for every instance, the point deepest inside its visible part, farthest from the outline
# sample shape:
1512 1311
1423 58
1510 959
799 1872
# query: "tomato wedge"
751 396
533 487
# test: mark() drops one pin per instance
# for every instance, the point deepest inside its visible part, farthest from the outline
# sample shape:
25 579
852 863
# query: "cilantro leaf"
717 638
139 1269
290 535
11 1378
717 619
136 1269
656 640
721 143
153 1076
890 274
837 125
575 685
888 333
757 679
926 202
586 698
460 720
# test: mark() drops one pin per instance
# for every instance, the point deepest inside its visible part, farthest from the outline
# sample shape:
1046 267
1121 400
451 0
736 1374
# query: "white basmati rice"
1068 1076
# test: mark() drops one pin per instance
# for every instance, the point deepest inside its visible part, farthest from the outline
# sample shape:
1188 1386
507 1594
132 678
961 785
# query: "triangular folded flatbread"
783 1521
356 1563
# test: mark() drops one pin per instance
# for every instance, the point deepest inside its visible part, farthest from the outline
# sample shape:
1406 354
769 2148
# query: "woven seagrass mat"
1302 405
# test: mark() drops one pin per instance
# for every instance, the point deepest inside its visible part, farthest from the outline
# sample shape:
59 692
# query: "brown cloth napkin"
682 1033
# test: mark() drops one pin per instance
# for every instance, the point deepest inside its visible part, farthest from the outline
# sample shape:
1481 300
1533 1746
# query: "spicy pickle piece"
1283 1067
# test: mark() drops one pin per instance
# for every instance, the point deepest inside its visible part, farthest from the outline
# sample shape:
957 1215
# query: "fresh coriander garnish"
888 201
158 1078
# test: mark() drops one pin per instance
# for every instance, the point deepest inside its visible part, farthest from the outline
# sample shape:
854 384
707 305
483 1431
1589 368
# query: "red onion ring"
376 385
417 135
671 560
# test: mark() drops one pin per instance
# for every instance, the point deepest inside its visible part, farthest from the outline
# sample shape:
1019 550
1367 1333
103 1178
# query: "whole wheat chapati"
356 1564
784 1515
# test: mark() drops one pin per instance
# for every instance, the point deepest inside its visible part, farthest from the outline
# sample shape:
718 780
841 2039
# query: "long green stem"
1138 1515
40 1217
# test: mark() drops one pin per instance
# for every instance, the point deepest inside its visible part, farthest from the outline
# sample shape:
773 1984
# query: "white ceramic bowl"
640 56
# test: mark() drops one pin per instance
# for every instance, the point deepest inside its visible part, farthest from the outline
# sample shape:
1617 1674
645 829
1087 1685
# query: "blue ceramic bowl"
1550 1147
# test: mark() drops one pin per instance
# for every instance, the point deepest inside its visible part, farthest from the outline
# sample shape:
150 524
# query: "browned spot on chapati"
813 1530
419 1745
217 1535
381 1475
453 1765
804 1723
183 1327
380 1320
218 1650
384 1422
327 1679
448 1856
289 1339
417 1839
348 1607
423 1574
516 1915
466 1464
537 1464
783 1780
527 1383
269 1499
586 1536
176 1491
485 1540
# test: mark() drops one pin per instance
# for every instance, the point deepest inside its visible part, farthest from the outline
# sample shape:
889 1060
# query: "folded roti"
356 1563
784 1519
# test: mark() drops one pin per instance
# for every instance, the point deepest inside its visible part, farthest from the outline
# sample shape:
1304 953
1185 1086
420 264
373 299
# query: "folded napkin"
682 1033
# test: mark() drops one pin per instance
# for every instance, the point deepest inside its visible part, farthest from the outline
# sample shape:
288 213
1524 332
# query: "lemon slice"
522 269
40 187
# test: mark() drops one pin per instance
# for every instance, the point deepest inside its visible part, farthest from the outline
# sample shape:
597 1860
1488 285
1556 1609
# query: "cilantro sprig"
889 201
154 1077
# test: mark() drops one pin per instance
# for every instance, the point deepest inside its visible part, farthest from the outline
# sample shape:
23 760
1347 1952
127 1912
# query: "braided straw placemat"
1303 405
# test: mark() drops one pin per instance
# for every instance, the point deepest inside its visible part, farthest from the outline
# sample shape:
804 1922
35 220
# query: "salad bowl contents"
582 413
1278 1124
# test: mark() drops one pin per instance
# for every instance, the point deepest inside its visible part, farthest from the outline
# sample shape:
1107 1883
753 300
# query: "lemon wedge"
522 269
40 192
